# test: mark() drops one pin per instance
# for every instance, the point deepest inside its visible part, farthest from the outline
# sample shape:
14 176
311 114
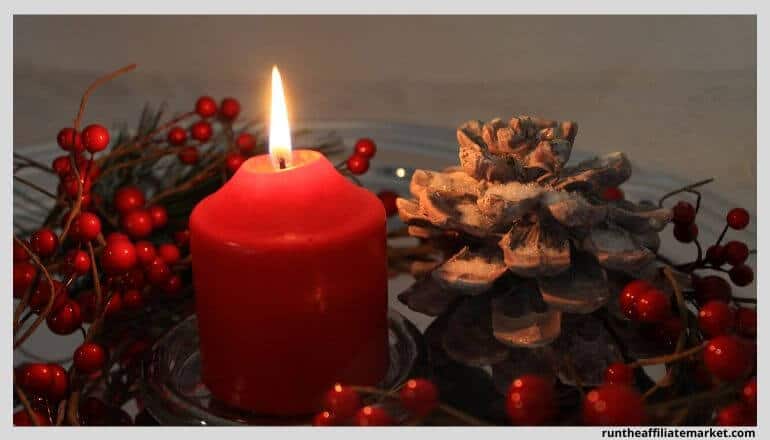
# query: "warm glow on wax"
280 134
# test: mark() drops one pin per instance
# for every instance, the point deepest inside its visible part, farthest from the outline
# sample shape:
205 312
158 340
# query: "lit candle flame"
280 135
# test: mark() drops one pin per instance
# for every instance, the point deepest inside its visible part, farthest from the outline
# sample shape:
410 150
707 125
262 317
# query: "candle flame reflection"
280 134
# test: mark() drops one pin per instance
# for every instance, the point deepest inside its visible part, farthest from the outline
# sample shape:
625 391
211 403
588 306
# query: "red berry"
42 294
89 357
372 416
651 306
233 161
21 418
686 233
169 253
358 164
736 252
715 318
342 401
741 275
201 131
325 418
246 143
66 318
628 296
59 383
683 213
735 414
36 378
726 358
749 394
128 198
157 271
19 252
172 286
419 397
206 107
145 252
615 405
738 218
95 138
135 278
70 184
619 373
182 238
746 322
118 256
177 136
78 262
188 155
388 199
86 226
365 147
69 140
716 255
23 276
612 194
229 108
712 287
62 165
530 400
159 216
44 242
133 300
137 223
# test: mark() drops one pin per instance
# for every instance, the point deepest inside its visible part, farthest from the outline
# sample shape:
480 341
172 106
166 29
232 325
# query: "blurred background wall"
675 92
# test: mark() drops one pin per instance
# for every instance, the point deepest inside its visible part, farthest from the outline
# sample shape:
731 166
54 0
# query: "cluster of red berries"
363 151
202 131
641 301
734 253
342 405
531 400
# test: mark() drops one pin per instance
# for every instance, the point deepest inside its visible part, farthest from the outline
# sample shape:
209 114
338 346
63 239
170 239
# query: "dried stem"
666 359
35 187
25 402
188 184
44 313
72 408
122 150
98 297
684 189
148 158
94 85
33 163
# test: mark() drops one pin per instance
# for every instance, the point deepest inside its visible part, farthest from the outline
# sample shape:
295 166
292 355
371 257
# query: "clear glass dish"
173 393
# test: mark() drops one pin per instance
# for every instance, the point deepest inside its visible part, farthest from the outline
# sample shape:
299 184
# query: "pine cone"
535 237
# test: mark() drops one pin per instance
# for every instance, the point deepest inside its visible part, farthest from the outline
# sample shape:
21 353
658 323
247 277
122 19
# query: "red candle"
290 277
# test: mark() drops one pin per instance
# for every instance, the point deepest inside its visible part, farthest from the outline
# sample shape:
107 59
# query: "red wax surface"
290 276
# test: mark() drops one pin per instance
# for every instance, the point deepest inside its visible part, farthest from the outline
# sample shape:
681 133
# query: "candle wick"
281 163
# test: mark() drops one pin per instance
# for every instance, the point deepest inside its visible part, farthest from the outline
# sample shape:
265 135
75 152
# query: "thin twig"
100 308
33 163
36 187
666 359
94 85
25 402
684 189
44 313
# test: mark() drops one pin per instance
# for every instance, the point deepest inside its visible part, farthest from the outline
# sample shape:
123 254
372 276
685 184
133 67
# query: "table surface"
676 93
